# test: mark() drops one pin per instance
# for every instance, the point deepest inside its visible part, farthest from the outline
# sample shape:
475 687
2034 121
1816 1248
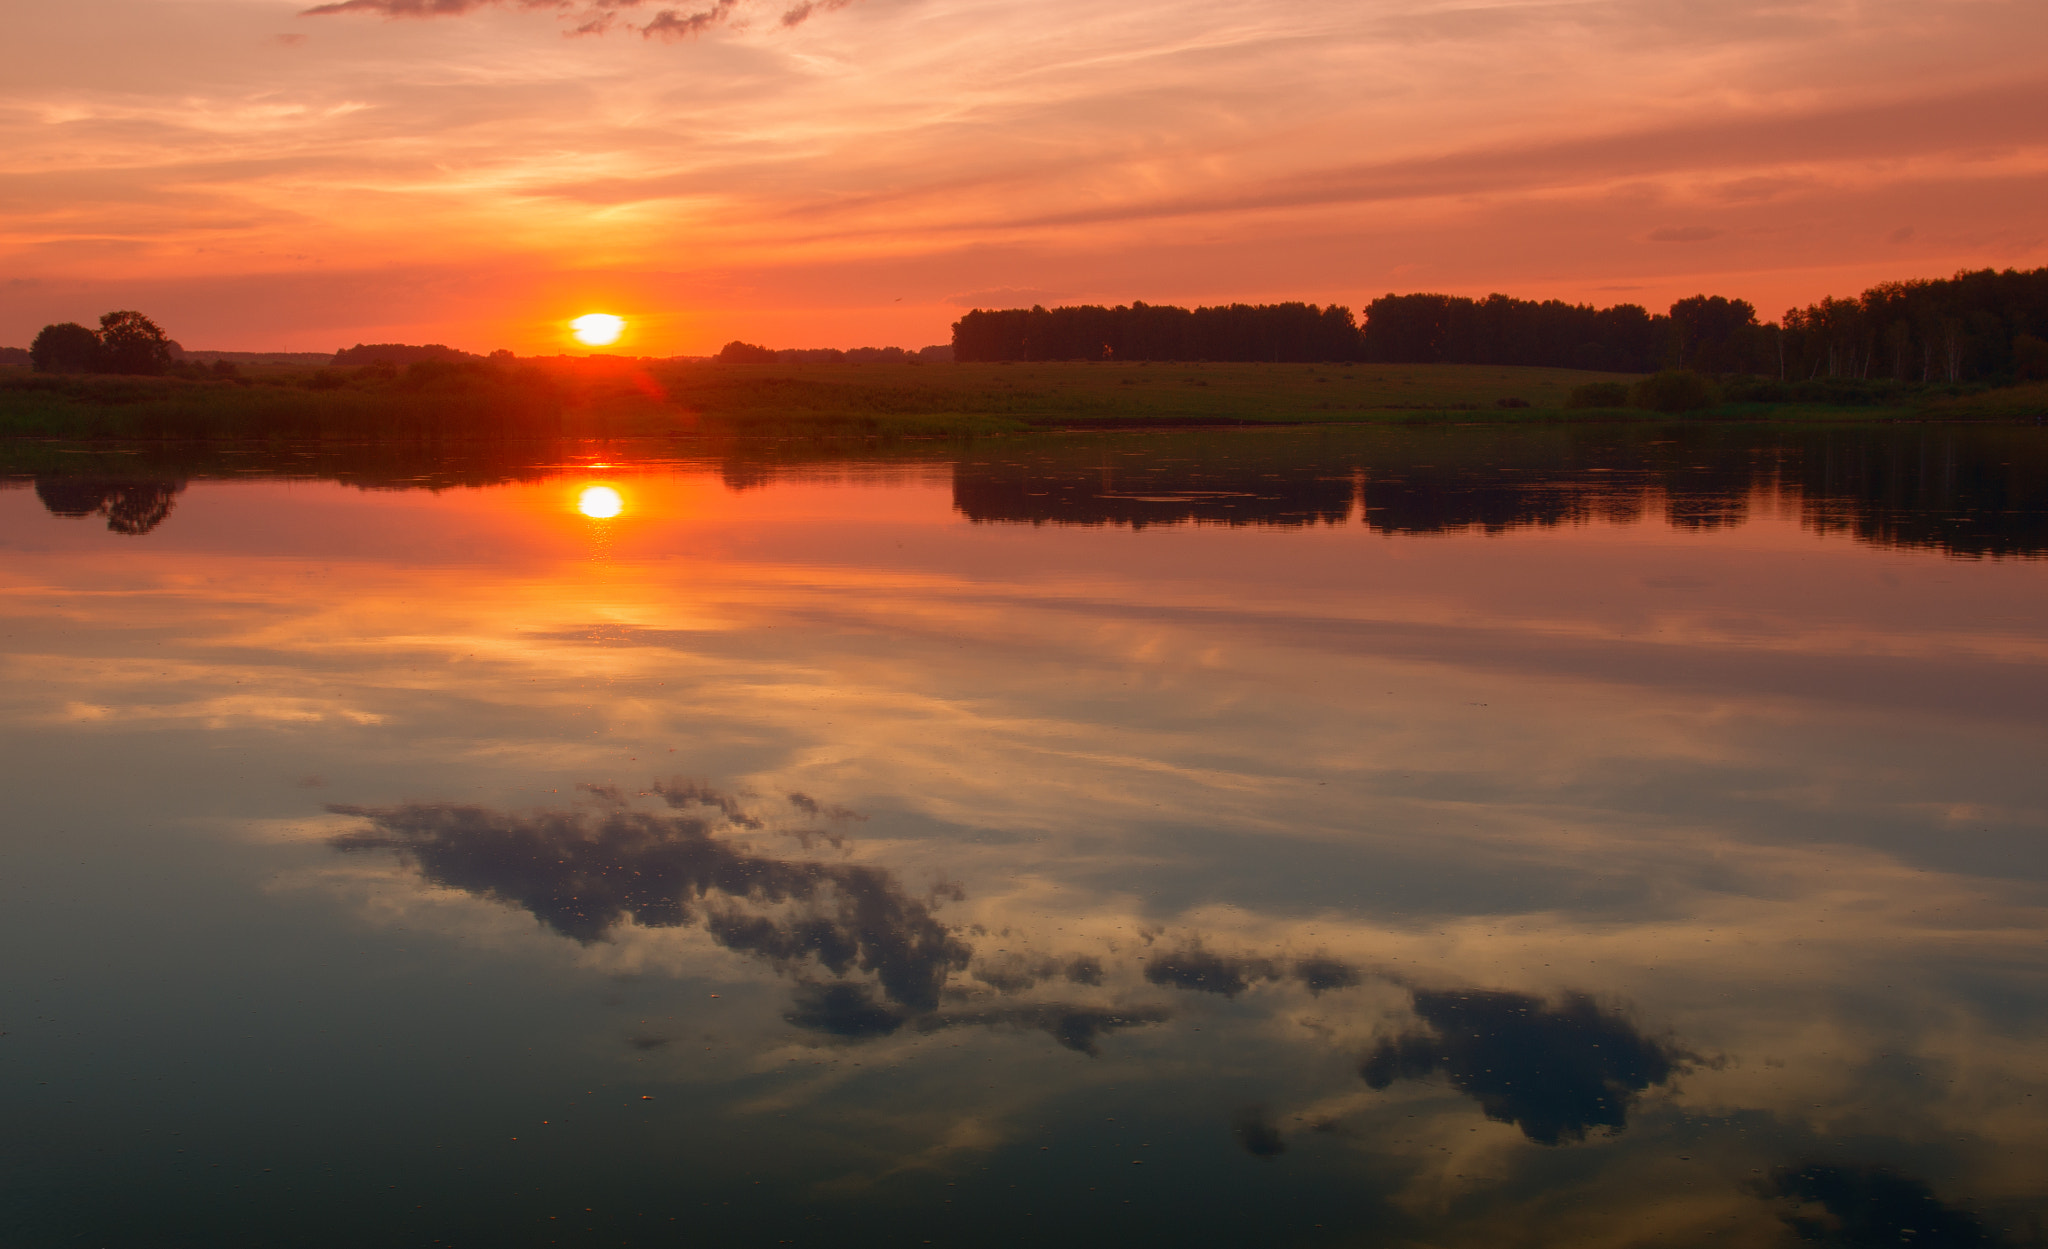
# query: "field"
610 397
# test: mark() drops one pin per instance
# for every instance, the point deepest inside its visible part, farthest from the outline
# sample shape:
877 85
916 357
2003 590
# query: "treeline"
1984 325
737 352
396 354
1278 333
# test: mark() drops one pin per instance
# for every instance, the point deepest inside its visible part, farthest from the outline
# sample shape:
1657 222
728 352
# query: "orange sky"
259 178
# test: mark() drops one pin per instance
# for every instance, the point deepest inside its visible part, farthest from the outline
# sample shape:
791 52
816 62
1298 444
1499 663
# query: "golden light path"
600 502
598 329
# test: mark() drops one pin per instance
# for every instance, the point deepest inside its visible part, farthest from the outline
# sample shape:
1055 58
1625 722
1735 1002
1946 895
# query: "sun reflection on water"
600 502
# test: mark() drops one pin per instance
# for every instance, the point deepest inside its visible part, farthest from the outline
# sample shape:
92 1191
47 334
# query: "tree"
737 352
67 347
132 343
1706 332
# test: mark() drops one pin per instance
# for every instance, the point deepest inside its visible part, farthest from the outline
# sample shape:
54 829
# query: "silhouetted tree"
1453 329
1707 333
132 343
737 352
1970 326
66 347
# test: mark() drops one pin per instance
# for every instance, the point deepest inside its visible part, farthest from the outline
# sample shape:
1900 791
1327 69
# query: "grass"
618 398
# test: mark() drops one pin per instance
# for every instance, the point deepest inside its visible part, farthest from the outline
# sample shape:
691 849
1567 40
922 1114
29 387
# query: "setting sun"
600 502
598 329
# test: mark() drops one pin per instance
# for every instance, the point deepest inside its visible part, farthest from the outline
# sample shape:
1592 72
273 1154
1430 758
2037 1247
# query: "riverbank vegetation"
570 397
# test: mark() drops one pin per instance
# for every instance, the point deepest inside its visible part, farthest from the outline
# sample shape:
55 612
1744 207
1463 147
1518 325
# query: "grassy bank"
606 398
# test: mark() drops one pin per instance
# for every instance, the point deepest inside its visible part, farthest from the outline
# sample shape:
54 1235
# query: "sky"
262 176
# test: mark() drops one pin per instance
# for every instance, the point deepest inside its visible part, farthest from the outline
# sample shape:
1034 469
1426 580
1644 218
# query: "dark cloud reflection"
582 874
1194 967
1555 1071
1871 1205
1257 1133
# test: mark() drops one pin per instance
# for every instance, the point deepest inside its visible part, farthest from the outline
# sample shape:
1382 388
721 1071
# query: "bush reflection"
1971 491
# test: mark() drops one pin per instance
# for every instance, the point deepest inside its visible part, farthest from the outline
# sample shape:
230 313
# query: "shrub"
1511 401
65 348
1673 390
1598 395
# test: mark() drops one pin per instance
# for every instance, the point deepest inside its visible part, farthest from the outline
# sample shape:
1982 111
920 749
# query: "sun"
600 502
598 329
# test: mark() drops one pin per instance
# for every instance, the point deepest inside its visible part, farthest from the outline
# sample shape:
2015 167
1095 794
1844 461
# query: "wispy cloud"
591 17
798 178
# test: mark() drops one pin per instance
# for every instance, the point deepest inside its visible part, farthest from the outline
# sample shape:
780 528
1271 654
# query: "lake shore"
608 397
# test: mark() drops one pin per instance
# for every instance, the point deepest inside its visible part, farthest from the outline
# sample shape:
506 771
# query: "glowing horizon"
256 177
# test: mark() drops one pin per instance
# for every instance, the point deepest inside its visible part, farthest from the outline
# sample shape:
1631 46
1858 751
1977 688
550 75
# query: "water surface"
1281 837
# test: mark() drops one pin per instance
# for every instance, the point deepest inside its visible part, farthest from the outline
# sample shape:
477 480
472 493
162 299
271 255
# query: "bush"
1598 395
65 348
1512 401
1673 390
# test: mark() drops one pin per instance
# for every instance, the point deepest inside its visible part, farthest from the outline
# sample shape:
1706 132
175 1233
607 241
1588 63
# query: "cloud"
1193 967
682 794
1554 1071
669 24
1077 1027
852 1011
811 806
421 8
592 17
1014 973
1321 973
847 1010
797 15
1872 1205
582 874
1257 1133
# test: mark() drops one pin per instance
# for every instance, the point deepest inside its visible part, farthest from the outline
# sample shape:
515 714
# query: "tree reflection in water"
131 507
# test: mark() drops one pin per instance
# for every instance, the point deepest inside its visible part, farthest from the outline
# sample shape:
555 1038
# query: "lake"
1394 836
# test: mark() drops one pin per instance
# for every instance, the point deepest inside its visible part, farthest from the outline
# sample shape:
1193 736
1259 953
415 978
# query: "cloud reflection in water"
1555 1071
582 874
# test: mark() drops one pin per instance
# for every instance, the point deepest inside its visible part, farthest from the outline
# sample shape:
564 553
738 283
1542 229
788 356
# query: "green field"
604 397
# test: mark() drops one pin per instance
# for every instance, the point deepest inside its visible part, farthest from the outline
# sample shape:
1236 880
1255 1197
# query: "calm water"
1441 837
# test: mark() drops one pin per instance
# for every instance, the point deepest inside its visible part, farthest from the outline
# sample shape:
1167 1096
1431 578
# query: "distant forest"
1978 325
737 352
